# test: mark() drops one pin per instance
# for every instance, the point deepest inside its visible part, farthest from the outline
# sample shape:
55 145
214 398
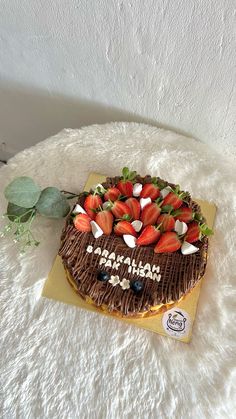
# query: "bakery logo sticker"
176 323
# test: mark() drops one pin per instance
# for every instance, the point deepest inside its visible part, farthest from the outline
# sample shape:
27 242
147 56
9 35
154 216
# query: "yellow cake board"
58 288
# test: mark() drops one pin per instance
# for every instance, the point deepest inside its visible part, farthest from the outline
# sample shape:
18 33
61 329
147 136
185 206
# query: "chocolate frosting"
179 273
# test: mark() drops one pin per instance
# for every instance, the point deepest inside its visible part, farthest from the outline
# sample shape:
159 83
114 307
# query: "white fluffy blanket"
58 361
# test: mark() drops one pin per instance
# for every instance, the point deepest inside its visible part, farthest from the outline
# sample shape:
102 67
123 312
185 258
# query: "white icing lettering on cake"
141 273
98 251
149 274
147 267
156 277
108 263
113 261
115 265
102 261
105 253
89 249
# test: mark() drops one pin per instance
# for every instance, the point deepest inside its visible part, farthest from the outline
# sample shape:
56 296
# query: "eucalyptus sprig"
25 201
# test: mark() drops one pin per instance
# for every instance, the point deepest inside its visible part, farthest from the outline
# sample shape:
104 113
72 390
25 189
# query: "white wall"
170 61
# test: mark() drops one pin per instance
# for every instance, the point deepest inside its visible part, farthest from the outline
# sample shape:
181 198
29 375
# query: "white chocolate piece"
129 240
105 205
99 185
96 230
79 210
188 248
137 224
180 227
144 202
164 192
137 189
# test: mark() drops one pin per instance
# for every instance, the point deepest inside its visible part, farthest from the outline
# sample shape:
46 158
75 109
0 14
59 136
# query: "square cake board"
176 322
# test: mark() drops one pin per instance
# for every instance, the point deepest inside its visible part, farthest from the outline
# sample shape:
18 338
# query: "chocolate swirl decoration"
179 273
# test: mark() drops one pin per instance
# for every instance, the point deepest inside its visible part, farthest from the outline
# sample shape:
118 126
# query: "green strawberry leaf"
154 180
52 203
125 173
166 208
18 214
22 192
132 175
126 217
161 183
177 189
176 212
205 230
198 217
99 190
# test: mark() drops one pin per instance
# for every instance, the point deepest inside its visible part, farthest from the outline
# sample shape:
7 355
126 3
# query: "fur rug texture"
58 361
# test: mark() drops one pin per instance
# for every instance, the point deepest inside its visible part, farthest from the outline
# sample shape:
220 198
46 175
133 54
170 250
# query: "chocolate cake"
127 246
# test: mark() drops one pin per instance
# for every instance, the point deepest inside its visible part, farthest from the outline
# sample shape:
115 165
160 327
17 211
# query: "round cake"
134 246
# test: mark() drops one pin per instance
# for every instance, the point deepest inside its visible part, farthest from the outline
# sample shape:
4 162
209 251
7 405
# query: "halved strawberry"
134 206
82 222
112 194
148 236
150 190
124 227
167 222
125 185
120 209
105 220
91 203
184 214
169 242
150 214
193 233
172 199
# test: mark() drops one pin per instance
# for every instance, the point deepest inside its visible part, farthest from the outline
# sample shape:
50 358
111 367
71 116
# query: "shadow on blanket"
28 115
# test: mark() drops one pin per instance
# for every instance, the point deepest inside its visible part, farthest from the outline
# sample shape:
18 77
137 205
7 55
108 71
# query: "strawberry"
121 209
134 206
125 185
174 198
150 214
91 203
148 236
112 194
150 190
167 222
184 214
82 222
193 233
124 227
169 242
105 220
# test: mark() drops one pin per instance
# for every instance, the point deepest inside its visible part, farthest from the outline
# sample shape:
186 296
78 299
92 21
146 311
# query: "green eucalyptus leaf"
23 192
19 214
52 203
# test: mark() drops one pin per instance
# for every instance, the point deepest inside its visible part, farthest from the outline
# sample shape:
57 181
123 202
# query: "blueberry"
103 276
137 286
